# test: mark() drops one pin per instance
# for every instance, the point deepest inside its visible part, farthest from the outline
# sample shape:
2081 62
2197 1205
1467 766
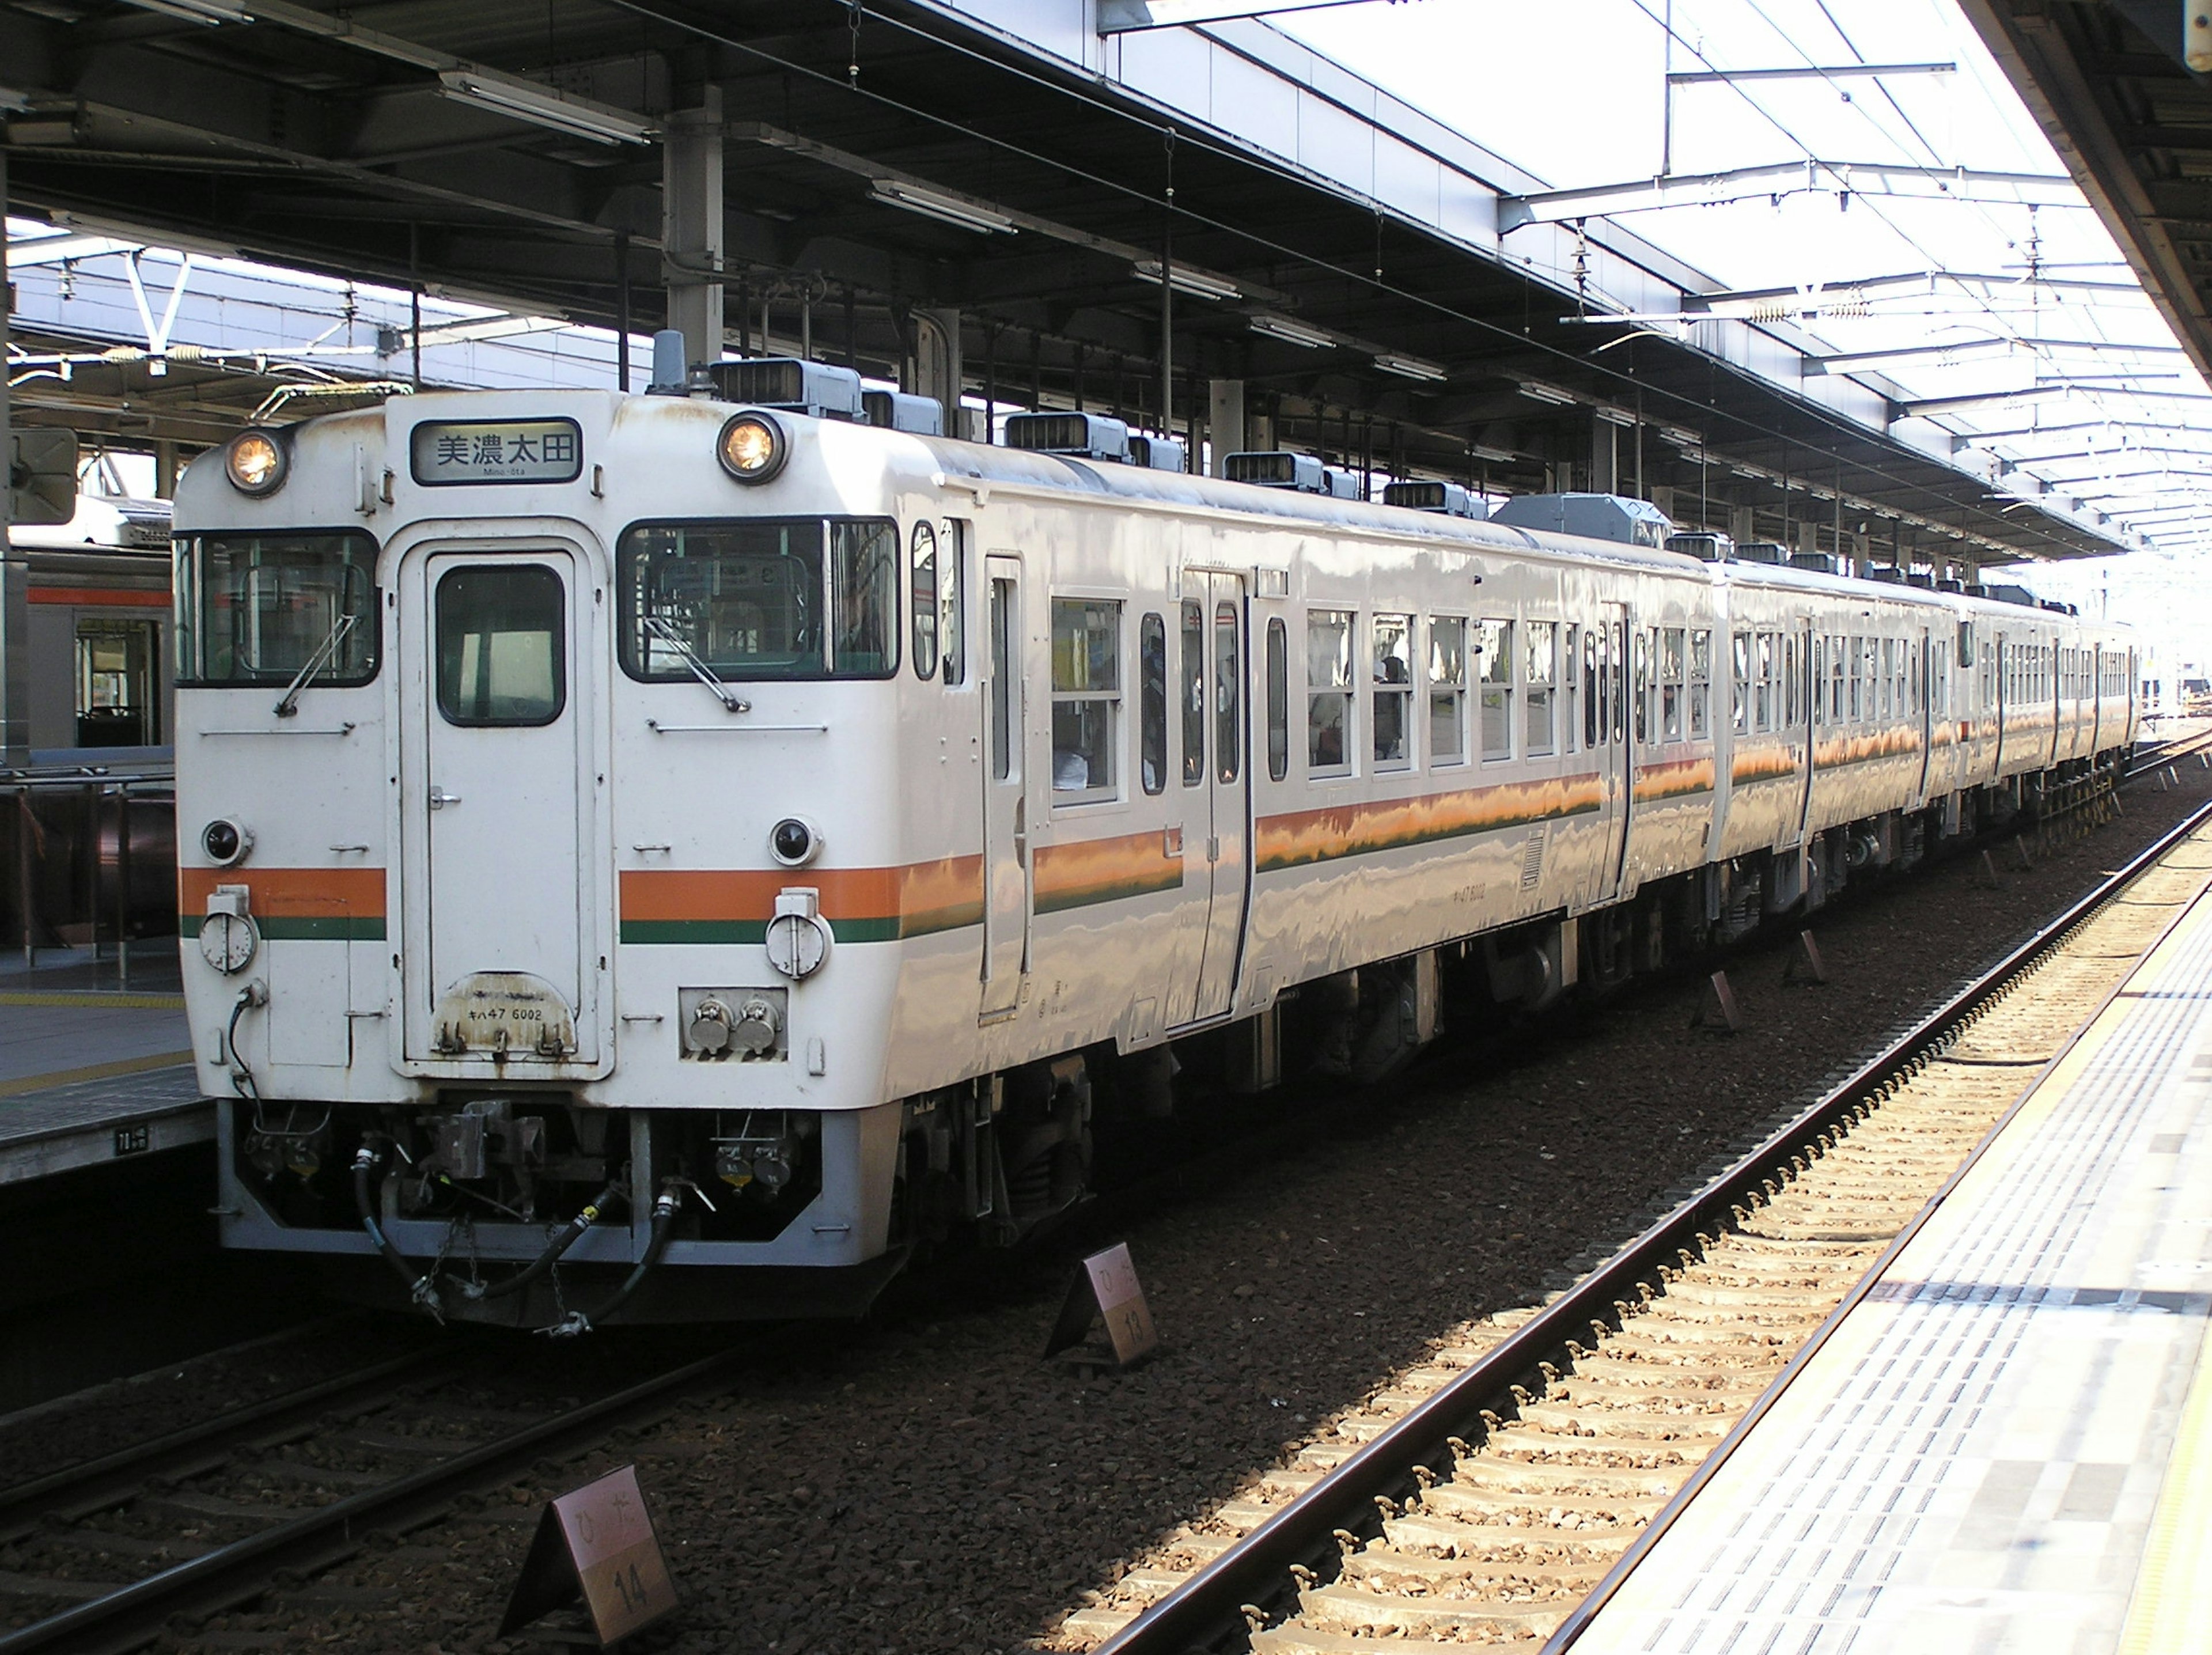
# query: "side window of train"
1592 693
1540 672
1086 698
1392 670
951 590
1278 700
927 617
1739 681
1642 688
1228 693
1793 681
1328 691
1191 683
1768 671
1448 689
1494 656
1152 703
1701 685
1673 675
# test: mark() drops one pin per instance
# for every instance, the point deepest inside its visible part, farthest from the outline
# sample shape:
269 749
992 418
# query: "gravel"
923 1481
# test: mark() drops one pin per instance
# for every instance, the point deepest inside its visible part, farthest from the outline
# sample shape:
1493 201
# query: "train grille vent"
1532 858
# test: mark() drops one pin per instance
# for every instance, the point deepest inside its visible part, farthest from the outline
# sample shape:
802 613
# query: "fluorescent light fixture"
1290 333
1680 438
945 209
1536 391
11 99
1410 368
1619 417
1494 456
540 105
1195 283
198 11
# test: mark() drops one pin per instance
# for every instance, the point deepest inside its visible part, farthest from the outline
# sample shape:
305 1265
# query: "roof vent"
1080 436
1704 545
1158 453
1278 469
1925 582
789 384
1762 551
1887 576
1819 562
1958 586
1593 516
1448 498
895 410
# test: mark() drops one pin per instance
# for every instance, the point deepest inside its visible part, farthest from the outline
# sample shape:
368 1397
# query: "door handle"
439 798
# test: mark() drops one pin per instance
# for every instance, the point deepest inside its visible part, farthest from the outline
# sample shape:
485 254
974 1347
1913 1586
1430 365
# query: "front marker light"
751 447
255 463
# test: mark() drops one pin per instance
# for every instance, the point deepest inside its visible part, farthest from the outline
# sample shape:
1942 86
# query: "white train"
648 854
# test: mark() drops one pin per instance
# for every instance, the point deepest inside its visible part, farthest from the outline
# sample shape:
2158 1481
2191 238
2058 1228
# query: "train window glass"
1279 701
864 583
1593 696
1328 691
749 599
1005 622
118 665
1766 671
1793 681
1836 671
924 597
1854 702
952 588
1539 673
1674 667
1448 689
1192 684
1739 679
1086 698
1227 694
1966 643
1494 665
1152 703
1643 655
502 645
1889 695
255 609
1392 668
1701 685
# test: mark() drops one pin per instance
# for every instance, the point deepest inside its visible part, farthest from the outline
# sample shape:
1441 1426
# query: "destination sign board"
460 450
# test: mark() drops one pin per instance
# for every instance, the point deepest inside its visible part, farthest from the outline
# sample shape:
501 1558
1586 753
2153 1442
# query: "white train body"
1185 751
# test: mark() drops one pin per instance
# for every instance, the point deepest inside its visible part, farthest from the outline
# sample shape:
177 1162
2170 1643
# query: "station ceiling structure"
982 196
2120 89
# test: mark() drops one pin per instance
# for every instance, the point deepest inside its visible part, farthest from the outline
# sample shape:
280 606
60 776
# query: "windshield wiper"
324 652
669 636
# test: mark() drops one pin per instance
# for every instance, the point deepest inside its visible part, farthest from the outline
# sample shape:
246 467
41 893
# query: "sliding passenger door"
1007 875
1214 683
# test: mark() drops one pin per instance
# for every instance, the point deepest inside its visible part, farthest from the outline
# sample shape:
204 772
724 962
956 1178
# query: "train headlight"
794 841
751 447
225 842
255 463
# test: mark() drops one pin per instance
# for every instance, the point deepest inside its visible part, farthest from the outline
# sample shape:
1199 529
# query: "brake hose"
562 1240
663 1224
421 1289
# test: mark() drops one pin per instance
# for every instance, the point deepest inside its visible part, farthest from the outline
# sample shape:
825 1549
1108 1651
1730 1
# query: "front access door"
499 800
1216 774
1007 882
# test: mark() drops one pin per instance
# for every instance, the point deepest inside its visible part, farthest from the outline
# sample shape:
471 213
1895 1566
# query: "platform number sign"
597 1543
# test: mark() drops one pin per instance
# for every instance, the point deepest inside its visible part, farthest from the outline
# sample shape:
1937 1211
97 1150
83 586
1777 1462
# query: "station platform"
91 1075
2006 1446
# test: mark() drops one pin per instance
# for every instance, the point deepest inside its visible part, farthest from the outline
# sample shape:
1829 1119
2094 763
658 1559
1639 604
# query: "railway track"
1494 1491
105 1555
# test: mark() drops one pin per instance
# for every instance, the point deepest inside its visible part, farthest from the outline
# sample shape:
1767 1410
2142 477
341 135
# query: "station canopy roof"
886 161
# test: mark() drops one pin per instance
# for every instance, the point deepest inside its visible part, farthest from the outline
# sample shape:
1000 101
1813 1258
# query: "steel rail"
109 1478
136 1614
1208 1609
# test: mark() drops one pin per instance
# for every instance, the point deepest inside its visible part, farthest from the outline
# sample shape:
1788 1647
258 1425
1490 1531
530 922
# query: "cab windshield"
257 608
759 599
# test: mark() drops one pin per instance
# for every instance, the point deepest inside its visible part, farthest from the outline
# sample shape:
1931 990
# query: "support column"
1742 523
1224 418
15 578
1605 456
691 234
938 367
